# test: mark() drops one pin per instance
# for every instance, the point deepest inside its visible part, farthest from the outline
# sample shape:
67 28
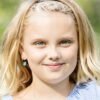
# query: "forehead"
49 17
49 23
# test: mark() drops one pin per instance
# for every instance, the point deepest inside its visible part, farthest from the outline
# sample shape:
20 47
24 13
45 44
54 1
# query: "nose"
54 54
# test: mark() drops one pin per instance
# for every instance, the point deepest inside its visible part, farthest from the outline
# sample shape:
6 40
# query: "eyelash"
43 43
66 41
39 43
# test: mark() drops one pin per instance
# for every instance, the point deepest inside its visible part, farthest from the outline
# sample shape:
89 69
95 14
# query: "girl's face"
50 45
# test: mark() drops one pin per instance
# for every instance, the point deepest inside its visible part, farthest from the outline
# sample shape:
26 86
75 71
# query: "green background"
92 8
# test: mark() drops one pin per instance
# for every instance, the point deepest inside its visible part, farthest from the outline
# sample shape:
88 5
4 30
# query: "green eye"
39 43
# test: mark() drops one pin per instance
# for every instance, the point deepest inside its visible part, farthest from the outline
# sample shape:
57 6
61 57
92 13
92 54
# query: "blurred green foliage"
91 7
7 11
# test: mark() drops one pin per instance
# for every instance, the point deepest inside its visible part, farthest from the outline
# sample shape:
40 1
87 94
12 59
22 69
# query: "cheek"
35 56
70 55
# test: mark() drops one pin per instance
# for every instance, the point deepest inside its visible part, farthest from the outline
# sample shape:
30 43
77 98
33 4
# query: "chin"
55 81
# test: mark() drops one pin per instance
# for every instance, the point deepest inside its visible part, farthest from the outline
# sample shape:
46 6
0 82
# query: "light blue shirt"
83 91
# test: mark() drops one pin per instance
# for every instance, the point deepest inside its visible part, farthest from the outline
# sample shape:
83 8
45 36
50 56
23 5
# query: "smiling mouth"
54 66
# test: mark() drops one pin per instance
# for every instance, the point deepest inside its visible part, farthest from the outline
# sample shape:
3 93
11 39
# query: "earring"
25 63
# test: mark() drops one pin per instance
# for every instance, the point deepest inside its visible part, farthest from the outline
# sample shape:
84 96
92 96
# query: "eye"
39 43
65 42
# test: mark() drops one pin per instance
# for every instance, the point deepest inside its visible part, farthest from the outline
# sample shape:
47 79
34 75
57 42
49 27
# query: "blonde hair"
14 76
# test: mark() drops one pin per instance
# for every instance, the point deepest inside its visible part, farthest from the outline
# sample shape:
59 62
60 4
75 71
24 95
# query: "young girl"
48 53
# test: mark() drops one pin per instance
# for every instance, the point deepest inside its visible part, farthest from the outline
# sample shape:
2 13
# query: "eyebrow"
59 39
41 37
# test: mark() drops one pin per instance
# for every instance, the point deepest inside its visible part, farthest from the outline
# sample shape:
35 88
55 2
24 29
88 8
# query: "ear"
22 52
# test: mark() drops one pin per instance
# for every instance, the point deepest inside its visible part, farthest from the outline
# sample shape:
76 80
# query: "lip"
55 66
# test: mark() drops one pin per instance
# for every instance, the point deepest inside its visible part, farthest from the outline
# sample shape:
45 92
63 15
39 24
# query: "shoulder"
86 91
98 90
